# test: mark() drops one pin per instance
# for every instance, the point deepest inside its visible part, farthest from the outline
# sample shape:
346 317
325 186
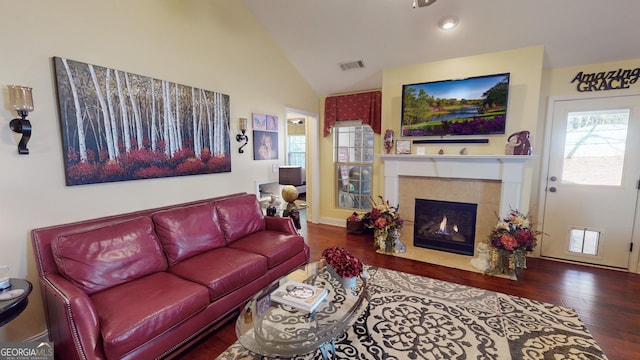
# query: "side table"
10 309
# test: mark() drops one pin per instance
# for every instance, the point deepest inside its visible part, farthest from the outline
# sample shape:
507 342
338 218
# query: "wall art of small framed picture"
272 123
259 121
403 147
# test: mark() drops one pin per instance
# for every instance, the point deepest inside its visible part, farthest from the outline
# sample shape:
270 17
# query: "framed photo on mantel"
403 147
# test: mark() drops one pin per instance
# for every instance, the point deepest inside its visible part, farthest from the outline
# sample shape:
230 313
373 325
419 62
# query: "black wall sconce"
21 101
242 137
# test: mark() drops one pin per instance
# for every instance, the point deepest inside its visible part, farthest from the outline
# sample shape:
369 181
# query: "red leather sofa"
148 284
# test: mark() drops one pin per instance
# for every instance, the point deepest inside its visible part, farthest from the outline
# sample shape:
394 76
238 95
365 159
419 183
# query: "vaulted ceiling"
318 35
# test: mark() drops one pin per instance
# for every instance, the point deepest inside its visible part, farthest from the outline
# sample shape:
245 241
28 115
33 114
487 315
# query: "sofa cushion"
108 256
277 247
240 216
222 270
137 312
187 231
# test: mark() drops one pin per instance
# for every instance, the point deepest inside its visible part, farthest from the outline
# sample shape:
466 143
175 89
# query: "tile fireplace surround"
492 181
506 168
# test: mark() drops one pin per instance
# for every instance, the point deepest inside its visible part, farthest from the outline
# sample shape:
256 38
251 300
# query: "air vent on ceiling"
351 65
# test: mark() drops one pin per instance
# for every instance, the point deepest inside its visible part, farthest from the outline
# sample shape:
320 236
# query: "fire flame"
443 227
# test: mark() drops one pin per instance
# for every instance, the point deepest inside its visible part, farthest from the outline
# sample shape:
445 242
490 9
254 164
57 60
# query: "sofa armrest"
281 224
73 323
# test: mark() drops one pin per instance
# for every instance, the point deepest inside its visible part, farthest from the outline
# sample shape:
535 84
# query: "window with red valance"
362 106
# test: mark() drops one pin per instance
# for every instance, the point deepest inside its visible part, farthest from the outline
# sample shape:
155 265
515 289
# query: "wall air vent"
351 65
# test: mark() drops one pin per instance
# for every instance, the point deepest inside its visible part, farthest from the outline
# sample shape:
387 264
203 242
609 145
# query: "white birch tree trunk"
172 122
112 117
82 145
211 118
179 142
168 121
154 127
200 115
197 144
105 113
165 125
125 115
217 108
136 113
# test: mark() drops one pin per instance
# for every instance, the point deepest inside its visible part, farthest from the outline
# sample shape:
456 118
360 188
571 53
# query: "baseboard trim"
333 221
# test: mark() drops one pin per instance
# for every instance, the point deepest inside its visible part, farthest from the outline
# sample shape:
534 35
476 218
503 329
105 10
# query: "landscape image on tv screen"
469 106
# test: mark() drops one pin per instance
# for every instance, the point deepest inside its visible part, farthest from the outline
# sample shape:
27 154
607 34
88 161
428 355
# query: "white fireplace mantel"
508 169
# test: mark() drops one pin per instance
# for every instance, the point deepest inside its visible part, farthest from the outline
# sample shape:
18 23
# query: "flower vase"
347 282
502 262
380 239
390 241
519 259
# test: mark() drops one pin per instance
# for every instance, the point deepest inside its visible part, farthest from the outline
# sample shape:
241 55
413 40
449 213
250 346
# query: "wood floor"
607 301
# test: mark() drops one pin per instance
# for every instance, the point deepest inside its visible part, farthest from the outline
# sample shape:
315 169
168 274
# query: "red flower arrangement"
345 264
383 218
512 237
514 233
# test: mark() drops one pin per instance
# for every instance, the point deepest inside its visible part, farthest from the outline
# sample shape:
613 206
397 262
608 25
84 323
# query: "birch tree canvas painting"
119 126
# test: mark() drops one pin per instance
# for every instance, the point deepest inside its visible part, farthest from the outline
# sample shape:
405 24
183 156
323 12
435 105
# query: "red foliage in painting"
142 164
91 156
190 166
181 156
82 173
135 160
160 145
72 156
218 163
112 171
152 172
103 155
205 155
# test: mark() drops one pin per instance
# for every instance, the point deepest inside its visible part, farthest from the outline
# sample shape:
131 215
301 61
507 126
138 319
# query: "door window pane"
595 147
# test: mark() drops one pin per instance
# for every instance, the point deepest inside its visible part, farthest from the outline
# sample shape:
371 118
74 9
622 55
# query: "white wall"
210 44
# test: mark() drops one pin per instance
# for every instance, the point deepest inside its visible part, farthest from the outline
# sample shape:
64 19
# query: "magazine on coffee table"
299 295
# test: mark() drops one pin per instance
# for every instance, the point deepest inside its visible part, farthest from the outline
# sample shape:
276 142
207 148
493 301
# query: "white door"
592 181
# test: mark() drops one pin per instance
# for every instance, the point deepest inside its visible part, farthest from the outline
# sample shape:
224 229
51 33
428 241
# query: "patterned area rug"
414 317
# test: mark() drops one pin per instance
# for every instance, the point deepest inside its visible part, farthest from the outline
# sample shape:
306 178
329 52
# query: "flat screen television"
469 106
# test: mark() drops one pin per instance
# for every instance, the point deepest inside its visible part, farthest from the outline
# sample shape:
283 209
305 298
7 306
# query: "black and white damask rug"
414 317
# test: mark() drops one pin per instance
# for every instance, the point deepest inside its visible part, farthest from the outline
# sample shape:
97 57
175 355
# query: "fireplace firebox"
445 226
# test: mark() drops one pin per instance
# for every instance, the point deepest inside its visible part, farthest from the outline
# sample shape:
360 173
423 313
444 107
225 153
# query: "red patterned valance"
363 106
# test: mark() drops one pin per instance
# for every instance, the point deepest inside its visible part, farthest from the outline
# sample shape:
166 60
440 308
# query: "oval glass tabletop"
269 328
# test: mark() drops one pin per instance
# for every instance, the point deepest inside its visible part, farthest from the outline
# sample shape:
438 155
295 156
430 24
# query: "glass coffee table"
271 329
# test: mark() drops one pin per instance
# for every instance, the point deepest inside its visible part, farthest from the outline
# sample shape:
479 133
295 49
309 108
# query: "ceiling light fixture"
448 23
422 3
